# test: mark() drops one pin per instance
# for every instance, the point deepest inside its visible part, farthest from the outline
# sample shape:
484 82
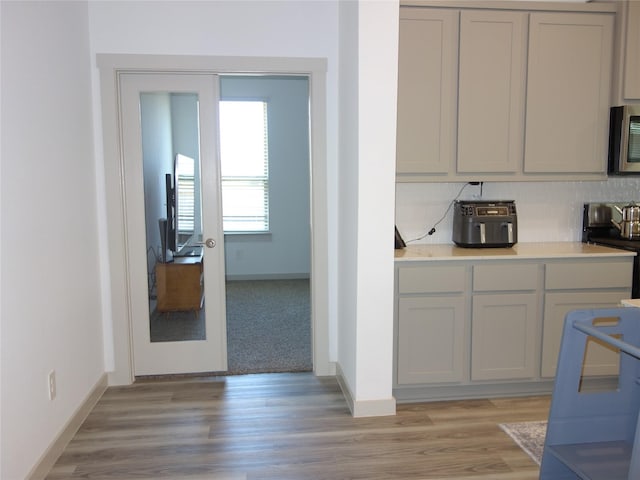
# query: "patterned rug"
529 436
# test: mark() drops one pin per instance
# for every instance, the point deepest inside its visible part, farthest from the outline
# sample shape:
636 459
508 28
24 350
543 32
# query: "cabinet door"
503 336
600 360
491 91
427 86
632 52
431 339
568 89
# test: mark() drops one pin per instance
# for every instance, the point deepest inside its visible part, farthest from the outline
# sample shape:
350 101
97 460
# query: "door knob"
209 243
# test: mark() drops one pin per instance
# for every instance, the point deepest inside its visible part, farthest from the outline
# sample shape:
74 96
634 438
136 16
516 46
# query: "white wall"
368 83
51 313
547 211
348 193
1 251
377 87
285 251
157 148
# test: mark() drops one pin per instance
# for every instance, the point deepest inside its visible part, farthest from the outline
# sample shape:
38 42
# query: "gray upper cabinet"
632 51
568 91
491 91
503 94
427 84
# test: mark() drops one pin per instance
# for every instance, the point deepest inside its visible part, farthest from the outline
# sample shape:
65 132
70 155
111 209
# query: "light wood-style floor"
290 426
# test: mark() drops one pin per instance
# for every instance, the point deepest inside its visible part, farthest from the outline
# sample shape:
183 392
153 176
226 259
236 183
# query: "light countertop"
520 251
632 302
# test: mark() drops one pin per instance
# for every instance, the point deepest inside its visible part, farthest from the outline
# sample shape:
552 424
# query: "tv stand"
179 285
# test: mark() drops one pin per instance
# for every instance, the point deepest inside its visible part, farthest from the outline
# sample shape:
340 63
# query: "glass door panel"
171 171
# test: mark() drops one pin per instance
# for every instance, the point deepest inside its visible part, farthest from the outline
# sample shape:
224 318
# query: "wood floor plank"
290 426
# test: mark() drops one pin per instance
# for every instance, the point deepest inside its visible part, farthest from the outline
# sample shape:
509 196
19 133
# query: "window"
244 160
185 194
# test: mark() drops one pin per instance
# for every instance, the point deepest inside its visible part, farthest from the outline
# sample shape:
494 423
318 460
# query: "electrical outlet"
52 384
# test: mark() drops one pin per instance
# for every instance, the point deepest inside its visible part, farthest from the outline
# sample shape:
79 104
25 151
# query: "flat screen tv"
170 229
178 228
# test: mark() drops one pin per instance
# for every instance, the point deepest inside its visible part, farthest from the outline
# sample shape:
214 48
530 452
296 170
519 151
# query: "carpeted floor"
529 436
268 326
177 326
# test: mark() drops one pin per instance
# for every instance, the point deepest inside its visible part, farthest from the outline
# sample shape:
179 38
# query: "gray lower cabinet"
479 328
504 321
573 285
431 339
601 360
503 332
431 323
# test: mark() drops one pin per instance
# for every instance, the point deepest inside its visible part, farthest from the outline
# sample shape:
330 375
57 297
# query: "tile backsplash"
547 211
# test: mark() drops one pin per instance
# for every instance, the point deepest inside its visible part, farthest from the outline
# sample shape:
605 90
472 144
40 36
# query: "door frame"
117 315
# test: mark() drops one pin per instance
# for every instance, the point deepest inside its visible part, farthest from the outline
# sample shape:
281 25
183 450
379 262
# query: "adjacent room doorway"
113 68
265 165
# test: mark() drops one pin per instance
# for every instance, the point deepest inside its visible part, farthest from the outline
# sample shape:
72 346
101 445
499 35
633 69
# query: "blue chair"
594 434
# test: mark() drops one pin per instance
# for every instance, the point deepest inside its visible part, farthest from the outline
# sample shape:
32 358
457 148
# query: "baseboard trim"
364 408
346 391
325 370
51 455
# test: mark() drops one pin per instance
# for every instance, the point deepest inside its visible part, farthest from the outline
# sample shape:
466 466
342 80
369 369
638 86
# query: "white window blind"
185 194
244 161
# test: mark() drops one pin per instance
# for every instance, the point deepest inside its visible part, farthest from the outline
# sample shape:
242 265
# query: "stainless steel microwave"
624 140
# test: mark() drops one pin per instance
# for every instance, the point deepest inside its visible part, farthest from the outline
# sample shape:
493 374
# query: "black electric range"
597 228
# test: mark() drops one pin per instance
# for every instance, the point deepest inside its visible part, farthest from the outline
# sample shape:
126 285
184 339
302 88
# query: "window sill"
247 234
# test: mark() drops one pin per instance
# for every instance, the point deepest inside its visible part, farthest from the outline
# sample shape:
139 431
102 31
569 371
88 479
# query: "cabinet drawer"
505 277
561 276
431 279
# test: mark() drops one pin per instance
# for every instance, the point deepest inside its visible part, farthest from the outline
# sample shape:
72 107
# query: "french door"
172 263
